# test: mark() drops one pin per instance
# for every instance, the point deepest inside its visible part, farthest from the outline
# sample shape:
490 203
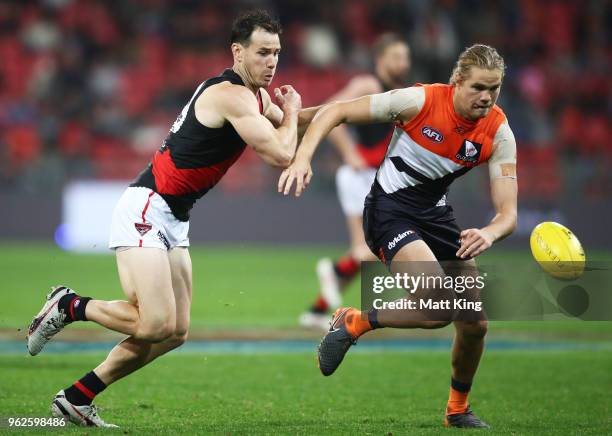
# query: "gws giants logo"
432 134
398 238
469 152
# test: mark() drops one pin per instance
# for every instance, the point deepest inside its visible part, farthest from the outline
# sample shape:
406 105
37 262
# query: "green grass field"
234 287
391 393
263 289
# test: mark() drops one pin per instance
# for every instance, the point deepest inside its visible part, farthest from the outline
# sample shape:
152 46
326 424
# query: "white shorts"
142 218
353 187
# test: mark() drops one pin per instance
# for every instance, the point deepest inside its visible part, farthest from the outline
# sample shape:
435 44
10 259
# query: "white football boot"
49 321
313 319
329 282
84 416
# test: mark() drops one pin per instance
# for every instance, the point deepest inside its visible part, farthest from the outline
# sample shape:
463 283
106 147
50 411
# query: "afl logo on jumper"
432 134
469 152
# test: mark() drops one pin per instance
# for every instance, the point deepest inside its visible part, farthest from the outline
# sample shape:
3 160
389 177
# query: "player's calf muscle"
129 319
120 316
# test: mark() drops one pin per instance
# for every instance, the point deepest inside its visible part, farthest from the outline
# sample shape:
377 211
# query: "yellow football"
557 250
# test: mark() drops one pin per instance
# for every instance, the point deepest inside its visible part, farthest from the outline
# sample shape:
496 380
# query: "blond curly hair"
478 55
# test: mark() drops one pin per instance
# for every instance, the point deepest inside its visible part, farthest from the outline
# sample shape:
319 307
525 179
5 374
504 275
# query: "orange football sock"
356 323
458 398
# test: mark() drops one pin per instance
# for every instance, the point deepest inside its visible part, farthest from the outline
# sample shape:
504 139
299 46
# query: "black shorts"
388 229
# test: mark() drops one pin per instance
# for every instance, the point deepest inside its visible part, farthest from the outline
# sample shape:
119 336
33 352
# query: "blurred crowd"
89 88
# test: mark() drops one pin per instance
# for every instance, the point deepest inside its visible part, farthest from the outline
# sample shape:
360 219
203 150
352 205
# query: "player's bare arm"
275 114
361 88
272 112
502 172
400 105
305 117
237 105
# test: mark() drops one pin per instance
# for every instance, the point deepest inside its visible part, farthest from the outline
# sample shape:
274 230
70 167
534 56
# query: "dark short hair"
385 41
247 22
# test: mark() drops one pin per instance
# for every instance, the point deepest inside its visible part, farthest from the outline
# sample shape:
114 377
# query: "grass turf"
234 286
518 392
388 393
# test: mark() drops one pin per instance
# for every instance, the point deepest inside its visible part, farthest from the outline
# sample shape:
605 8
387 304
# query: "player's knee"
481 328
474 329
156 331
180 333
156 335
179 338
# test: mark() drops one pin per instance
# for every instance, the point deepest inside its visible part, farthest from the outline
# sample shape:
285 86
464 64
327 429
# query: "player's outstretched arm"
504 193
401 105
275 146
305 118
326 119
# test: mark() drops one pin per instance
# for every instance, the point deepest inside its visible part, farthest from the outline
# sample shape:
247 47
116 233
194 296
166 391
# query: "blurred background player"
149 231
442 132
362 156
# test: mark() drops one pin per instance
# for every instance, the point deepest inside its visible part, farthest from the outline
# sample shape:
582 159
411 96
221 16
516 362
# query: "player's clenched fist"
288 98
300 172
